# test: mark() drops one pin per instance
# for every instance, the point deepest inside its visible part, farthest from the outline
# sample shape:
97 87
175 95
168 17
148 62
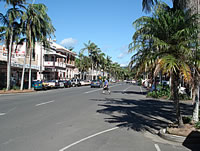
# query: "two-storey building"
53 63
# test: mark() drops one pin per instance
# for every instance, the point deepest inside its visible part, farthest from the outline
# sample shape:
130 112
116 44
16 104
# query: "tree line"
99 61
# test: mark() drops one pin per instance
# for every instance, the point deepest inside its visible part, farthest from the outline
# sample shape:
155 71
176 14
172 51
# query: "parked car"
96 83
75 82
45 84
53 84
67 83
61 84
37 85
85 82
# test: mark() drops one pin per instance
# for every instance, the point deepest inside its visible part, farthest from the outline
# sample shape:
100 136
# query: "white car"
85 82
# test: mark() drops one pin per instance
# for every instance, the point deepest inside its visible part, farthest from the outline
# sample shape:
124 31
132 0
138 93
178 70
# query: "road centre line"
44 103
86 138
101 89
157 147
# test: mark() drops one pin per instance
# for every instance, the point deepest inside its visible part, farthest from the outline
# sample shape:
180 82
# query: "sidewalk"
16 91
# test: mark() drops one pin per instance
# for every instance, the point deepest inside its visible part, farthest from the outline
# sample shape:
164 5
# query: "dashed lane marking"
44 103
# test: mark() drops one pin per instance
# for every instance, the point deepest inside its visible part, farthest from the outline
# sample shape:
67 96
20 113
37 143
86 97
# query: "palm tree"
91 48
102 62
38 27
83 63
15 2
108 65
95 58
167 42
181 4
9 32
177 4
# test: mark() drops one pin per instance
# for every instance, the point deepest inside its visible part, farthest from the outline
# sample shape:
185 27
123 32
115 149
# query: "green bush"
16 88
153 94
162 91
139 82
184 97
197 125
187 119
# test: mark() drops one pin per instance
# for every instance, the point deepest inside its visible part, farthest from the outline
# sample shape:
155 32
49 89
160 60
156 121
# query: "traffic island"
192 136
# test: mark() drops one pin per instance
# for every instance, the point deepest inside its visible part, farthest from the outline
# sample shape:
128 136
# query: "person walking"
106 87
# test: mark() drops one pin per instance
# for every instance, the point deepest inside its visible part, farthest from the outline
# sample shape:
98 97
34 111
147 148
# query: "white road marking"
126 89
86 138
8 142
141 89
101 89
11 110
157 147
93 90
44 103
2 114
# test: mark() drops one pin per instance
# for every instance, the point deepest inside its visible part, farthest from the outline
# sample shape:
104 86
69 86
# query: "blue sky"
107 23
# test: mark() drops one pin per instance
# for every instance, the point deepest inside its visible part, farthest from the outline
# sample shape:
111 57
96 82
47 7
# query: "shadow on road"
130 92
140 115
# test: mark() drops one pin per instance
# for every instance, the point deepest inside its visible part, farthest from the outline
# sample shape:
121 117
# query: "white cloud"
121 55
69 42
124 52
124 64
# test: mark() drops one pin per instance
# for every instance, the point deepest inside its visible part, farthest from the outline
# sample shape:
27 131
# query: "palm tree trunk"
92 70
195 99
175 84
29 85
9 63
23 71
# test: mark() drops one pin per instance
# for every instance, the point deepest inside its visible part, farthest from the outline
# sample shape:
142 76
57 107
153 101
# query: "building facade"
53 63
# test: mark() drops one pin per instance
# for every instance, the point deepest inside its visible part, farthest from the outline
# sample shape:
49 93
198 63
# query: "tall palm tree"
9 32
181 4
108 65
83 63
38 28
91 48
95 59
168 43
177 4
16 2
102 62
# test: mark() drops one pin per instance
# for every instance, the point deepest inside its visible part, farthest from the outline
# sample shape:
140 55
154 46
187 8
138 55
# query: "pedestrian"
105 87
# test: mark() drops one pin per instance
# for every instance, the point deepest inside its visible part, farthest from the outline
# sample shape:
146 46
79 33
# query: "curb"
192 138
179 139
16 92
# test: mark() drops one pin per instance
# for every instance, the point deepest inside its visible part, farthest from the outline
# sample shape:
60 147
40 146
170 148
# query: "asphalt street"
84 119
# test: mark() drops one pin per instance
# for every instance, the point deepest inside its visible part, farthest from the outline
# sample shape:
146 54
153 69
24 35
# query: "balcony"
57 64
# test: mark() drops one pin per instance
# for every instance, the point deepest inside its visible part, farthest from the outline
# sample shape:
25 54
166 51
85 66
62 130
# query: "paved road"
83 119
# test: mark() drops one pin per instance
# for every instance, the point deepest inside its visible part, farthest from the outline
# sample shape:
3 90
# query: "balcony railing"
57 64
